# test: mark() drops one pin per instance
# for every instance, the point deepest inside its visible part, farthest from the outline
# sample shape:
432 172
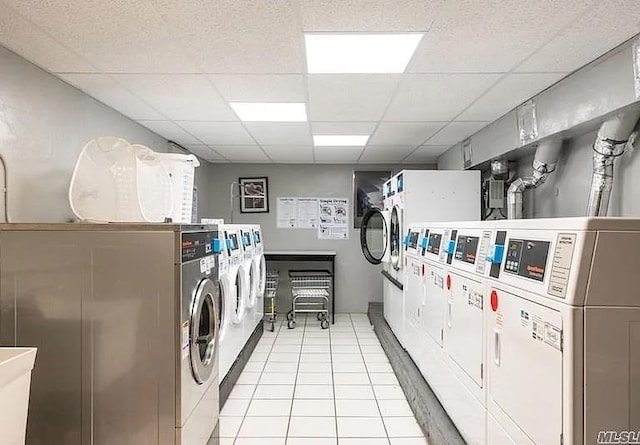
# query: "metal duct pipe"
500 170
544 163
609 144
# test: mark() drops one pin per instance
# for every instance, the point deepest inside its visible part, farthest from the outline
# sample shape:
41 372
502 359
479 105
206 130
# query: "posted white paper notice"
334 218
307 213
287 213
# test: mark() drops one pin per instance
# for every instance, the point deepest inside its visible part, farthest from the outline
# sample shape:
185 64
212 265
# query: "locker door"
525 366
464 326
434 302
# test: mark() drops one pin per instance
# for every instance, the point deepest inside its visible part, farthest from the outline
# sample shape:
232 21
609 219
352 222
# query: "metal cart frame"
310 294
271 289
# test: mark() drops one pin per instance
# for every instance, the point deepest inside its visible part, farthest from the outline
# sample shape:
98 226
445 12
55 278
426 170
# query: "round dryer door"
204 331
221 301
239 305
395 231
373 236
262 284
254 276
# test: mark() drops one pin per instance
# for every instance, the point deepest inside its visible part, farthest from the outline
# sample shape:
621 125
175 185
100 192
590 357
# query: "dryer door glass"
373 236
204 330
394 240
241 297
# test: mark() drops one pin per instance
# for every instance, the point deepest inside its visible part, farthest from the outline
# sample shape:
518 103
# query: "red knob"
494 300
448 282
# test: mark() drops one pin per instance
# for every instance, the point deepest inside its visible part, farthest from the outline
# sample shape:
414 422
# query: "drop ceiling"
174 66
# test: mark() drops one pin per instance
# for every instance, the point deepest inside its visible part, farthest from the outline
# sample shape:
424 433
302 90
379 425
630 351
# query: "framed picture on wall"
367 192
254 195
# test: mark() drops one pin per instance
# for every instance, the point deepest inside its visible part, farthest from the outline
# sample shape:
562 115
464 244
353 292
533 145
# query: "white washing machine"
226 286
235 287
260 271
413 196
455 293
251 277
539 325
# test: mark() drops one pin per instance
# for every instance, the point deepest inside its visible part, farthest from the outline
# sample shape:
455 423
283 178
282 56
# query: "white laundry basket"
114 181
182 171
15 381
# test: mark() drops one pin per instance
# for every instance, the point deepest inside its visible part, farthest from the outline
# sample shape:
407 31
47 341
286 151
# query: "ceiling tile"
342 128
437 97
426 153
455 132
508 94
492 36
404 133
107 91
242 153
170 131
120 36
224 133
350 97
610 23
369 15
386 153
205 153
230 36
337 154
260 87
280 133
30 42
179 96
290 153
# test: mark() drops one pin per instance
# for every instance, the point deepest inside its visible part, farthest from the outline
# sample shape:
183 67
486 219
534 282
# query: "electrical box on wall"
496 194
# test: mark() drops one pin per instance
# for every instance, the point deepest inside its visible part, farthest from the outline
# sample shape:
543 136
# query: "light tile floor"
312 386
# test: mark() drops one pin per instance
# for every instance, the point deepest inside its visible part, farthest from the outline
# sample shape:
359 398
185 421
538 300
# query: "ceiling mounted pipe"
544 163
609 144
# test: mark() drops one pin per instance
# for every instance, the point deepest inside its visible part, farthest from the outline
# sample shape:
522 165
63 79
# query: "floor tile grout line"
375 397
256 387
295 383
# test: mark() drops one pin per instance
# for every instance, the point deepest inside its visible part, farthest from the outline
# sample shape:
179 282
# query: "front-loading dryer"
236 288
260 272
251 277
199 395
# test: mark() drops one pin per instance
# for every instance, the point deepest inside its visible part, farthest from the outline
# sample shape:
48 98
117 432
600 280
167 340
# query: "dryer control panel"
527 258
196 245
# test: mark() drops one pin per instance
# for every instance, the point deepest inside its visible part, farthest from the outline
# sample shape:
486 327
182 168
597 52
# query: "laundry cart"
271 289
310 294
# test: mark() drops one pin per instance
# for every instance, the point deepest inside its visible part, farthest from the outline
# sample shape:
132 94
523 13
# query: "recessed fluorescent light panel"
360 53
270 112
341 140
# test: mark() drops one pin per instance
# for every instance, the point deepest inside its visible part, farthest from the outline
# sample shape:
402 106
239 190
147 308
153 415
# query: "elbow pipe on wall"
544 163
609 144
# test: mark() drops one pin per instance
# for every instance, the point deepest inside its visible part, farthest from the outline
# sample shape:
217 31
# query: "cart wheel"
319 316
324 324
272 328
291 324
322 316
290 315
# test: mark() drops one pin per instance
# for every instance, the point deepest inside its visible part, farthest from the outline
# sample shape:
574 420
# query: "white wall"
44 123
357 282
566 192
